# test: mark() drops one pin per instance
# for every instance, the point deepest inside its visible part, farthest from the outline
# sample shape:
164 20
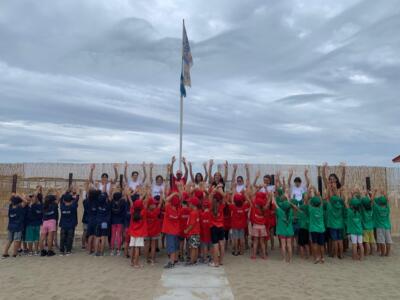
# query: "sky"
291 81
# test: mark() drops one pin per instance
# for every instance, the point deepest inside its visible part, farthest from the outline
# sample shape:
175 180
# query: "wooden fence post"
14 183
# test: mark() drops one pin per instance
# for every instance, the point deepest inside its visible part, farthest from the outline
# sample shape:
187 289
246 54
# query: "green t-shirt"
382 216
303 218
316 215
354 222
335 214
284 222
367 218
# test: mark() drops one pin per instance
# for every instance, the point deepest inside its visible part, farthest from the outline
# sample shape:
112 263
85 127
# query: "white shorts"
356 239
136 242
383 236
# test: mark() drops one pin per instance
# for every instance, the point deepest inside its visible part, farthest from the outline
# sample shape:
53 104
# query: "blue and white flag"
187 60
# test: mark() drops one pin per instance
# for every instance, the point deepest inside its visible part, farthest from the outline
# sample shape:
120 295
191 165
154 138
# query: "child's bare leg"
50 239
315 250
262 242
17 245
366 249
340 248
7 247
132 256
307 251
322 250
387 252
126 252
222 253
271 230
153 250
283 248
302 252
146 249
215 254
255 246
354 251
103 244
361 251
290 249
137 252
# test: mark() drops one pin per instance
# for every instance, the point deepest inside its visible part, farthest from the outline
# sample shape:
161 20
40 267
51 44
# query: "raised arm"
92 167
324 175
278 182
191 172
115 166
144 172
343 178
246 166
234 173
210 165
126 172
290 178
226 171
185 175
256 178
151 173
171 170
307 178
205 171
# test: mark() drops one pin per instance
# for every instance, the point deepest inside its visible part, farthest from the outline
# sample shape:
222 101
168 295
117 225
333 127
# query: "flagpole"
181 112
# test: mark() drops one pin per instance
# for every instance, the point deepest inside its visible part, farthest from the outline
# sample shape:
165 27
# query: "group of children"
197 221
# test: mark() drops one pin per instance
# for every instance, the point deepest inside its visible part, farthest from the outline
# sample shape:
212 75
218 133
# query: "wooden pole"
14 183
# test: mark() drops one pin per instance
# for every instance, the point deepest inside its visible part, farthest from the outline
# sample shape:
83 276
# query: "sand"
80 276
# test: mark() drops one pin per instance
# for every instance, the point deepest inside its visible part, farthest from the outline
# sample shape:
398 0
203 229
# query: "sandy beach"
81 276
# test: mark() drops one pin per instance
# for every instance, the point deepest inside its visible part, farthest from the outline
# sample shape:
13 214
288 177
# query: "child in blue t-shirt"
16 215
68 222
118 212
33 223
103 214
49 225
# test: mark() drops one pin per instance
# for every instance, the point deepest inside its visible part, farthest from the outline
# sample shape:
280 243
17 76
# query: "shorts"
32 233
217 234
296 227
237 234
91 229
194 241
206 245
49 226
172 243
304 237
181 238
258 230
368 236
318 238
356 239
136 242
336 234
226 232
284 237
102 229
152 238
84 226
14 236
383 236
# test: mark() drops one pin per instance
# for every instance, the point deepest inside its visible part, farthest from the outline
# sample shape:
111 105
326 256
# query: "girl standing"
153 215
217 226
257 218
50 214
382 222
68 222
137 231
317 225
354 226
34 221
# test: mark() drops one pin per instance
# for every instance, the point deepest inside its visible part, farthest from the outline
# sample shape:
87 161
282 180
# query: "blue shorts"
296 227
172 243
91 229
336 234
318 238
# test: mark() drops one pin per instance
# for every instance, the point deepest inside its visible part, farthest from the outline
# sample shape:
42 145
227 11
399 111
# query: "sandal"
212 264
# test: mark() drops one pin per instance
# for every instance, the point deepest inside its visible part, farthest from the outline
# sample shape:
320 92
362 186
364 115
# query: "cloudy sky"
297 81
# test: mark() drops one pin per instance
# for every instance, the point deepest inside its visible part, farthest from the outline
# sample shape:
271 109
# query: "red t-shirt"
239 216
153 222
257 216
227 217
175 180
205 224
138 228
194 219
218 220
184 213
171 220
270 216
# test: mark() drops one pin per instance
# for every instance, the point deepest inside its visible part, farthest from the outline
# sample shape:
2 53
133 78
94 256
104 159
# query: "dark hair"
136 217
67 197
338 184
15 200
267 176
157 198
135 173
93 195
214 206
297 179
48 200
40 197
239 177
195 177
104 175
159 176
226 210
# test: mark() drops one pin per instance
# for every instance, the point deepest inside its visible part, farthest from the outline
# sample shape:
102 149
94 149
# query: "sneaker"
5 256
43 253
50 253
61 254
112 253
169 265
118 253
36 253
68 253
30 253
20 251
26 251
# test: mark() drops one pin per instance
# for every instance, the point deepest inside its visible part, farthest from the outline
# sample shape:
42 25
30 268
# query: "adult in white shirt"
105 183
198 179
134 182
298 189
238 182
157 187
267 185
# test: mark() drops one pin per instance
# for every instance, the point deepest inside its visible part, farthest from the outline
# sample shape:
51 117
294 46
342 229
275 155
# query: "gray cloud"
273 81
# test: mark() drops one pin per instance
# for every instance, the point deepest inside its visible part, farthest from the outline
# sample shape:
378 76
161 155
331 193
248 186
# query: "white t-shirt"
156 190
297 192
134 184
240 188
108 186
270 188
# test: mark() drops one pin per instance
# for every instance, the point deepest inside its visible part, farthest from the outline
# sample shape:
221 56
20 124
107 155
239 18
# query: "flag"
183 90
187 60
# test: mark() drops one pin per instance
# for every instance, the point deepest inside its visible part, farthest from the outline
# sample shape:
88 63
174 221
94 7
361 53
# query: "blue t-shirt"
51 213
16 217
103 212
92 212
118 212
69 213
127 214
35 215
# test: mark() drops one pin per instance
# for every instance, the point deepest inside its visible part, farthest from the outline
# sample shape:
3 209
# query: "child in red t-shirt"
171 228
153 230
258 219
205 234
192 231
238 210
184 212
137 231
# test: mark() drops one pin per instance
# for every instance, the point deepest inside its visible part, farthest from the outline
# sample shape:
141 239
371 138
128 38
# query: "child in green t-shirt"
382 222
367 223
316 225
335 220
354 224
